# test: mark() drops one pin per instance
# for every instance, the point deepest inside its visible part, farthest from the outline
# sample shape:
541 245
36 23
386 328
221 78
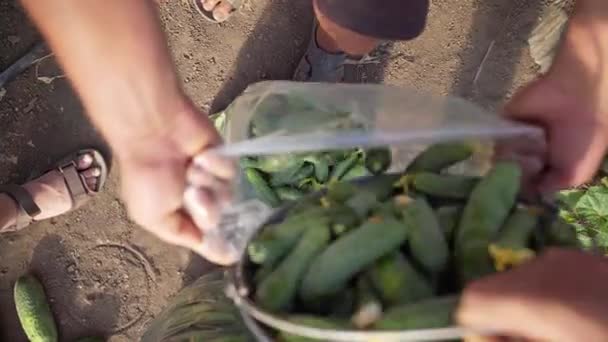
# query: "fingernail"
203 160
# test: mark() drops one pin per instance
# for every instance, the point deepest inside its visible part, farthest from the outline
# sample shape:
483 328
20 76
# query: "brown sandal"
79 191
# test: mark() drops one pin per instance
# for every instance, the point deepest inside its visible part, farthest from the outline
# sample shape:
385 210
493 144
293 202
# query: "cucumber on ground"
278 290
397 281
34 311
426 314
350 254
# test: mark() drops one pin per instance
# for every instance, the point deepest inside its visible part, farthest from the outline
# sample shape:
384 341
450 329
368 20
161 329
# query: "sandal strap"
75 184
22 198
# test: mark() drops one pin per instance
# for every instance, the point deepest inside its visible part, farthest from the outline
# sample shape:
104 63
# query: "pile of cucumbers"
392 251
276 179
288 177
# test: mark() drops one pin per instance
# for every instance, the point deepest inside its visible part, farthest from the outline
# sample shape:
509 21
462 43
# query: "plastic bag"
285 118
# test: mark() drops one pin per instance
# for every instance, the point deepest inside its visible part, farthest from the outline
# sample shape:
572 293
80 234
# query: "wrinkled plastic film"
389 115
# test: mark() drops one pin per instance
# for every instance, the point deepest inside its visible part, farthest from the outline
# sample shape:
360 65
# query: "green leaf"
593 205
570 198
219 121
590 215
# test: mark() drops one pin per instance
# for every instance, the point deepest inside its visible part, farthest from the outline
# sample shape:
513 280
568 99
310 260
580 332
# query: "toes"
91 183
208 5
84 161
222 11
93 172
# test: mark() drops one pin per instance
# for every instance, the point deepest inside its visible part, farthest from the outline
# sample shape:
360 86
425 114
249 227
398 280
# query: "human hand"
559 296
569 102
156 171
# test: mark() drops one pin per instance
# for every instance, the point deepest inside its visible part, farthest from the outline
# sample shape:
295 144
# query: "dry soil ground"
105 275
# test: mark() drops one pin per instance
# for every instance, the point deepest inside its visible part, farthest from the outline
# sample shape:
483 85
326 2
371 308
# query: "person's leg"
8 212
49 192
351 29
333 38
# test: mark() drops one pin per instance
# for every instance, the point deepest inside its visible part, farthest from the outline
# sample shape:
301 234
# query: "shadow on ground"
498 34
274 40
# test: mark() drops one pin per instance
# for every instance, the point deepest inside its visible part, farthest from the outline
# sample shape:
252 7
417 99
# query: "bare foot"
50 192
221 9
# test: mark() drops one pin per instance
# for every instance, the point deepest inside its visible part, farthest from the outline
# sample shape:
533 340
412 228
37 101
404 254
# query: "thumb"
535 102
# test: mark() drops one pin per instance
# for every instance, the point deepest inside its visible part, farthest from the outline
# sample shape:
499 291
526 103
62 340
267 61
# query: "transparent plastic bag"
282 118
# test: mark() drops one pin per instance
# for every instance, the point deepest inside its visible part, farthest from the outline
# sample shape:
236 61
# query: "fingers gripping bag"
361 211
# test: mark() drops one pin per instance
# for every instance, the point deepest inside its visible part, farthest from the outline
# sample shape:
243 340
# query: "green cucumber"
448 217
286 176
426 241
342 167
517 231
355 172
382 186
340 192
278 290
426 314
293 178
276 240
342 219
261 187
362 203
287 193
378 160
439 156
33 310
511 247
321 166
397 281
484 214
351 253
444 186
562 234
